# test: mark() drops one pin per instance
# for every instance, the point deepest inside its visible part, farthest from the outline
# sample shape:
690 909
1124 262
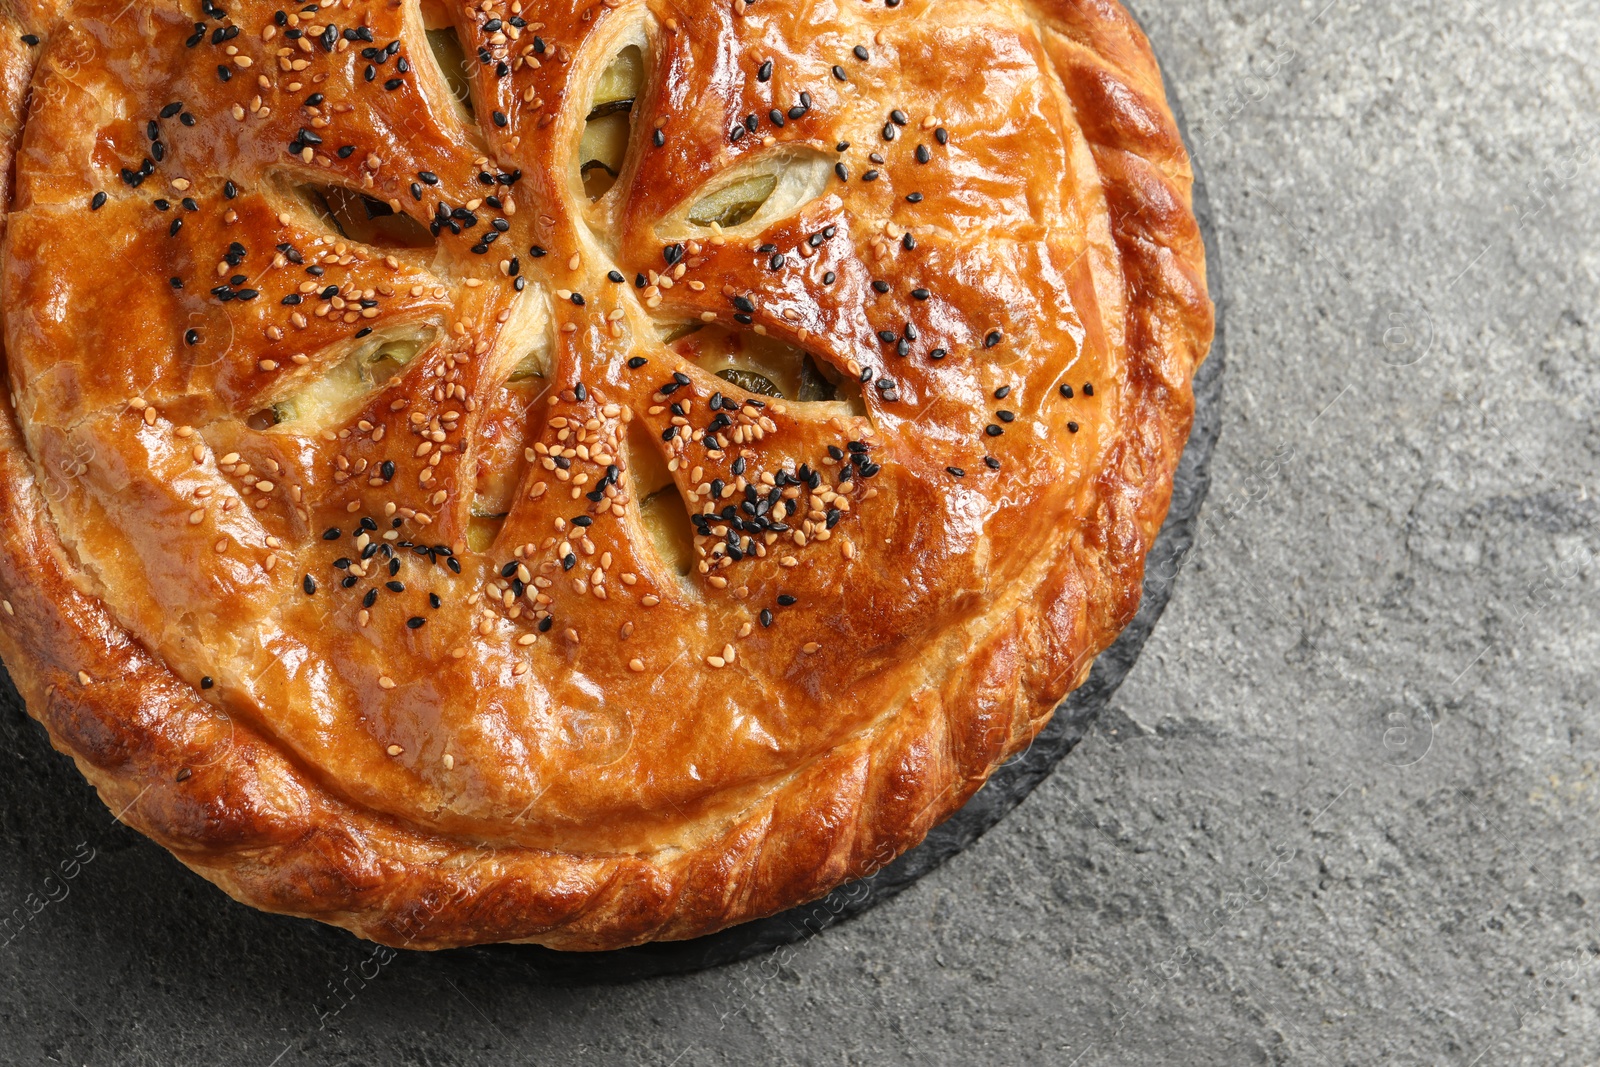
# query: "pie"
581 472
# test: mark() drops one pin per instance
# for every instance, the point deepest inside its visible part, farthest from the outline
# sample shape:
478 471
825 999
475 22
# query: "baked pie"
580 472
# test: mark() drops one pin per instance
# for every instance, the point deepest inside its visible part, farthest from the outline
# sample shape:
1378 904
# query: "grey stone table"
1345 809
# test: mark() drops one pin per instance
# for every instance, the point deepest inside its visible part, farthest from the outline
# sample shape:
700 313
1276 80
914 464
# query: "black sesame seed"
766 617
938 353
992 463
659 138
636 362
785 600
992 430
898 117
870 176
395 587
1002 392
838 72
844 175
30 39
775 117
500 119
416 622
1006 416
880 286
332 533
1072 427
861 53
993 339
942 135
923 155
97 201
908 242
889 132
956 471
1088 389
765 73
309 584
191 337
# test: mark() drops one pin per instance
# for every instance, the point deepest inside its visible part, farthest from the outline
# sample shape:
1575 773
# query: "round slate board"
45 806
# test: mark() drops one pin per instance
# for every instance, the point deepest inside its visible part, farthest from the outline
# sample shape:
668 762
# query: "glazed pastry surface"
580 473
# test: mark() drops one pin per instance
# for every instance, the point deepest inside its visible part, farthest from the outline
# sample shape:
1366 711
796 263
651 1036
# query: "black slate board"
46 807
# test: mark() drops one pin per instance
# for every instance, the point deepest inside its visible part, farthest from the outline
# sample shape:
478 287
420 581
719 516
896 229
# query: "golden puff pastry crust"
576 472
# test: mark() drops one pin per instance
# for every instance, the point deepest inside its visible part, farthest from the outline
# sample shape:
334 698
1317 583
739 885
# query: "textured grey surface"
1343 811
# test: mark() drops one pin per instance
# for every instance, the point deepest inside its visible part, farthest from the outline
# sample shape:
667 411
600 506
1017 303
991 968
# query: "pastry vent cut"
359 217
767 367
753 195
330 398
608 124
